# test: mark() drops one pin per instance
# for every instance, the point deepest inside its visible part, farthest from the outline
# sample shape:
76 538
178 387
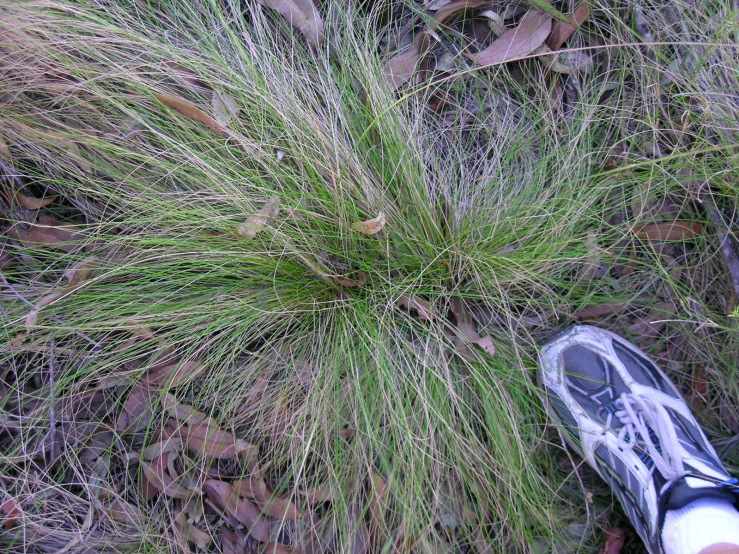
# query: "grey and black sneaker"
625 417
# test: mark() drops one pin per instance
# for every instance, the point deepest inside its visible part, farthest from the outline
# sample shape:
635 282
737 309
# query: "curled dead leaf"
614 541
188 532
164 482
351 284
371 226
215 443
301 14
277 507
190 111
467 330
672 231
123 512
175 375
250 488
424 309
31 203
33 315
136 412
242 510
47 233
599 310
184 413
377 504
321 493
254 223
562 31
12 512
157 449
530 34
400 68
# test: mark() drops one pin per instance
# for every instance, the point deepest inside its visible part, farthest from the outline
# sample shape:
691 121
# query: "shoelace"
643 418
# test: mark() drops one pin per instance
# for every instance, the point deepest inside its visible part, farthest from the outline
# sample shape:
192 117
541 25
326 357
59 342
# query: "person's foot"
624 416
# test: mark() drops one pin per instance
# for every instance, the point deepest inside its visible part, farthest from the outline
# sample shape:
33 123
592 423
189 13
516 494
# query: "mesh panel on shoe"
643 370
591 379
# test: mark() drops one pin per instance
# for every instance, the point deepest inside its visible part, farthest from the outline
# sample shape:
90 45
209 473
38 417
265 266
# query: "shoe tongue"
689 489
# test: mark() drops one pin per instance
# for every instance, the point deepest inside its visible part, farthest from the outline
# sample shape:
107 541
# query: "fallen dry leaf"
4 150
562 31
424 309
146 487
33 315
190 111
467 330
184 413
31 203
188 532
67 143
188 76
215 443
672 231
531 33
277 548
232 542
175 375
455 6
349 283
614 541
157 449
163 482
301 14
47 233
598 311
254 223
321 493
250 488
377 503
361 543
136 412
277 507
224 498
12 511
225 108
371 226
123 512
400 68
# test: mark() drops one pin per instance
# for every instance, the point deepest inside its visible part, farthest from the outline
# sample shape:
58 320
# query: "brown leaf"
361 543
146 487
188 532
277 507
424 309
378 492
12 511
157 449
232 542
254 223
225 108
481 545
190 111
174 375
562 31
250 488
321 493
31 203
614 541
531 33
349 283
4 150
32 317
184 413
79 273
49 234
672 231
371 226
301 14
278 548
215 443
599 310
400 68
123 512
219 492
136 412
164 483
189 77
248 514
466 327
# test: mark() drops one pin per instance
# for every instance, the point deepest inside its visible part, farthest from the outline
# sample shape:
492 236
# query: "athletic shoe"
625 417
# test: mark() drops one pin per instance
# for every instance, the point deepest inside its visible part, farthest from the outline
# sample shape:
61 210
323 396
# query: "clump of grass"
507 210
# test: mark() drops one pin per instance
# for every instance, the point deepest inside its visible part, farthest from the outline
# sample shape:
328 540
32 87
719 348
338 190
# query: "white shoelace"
638 414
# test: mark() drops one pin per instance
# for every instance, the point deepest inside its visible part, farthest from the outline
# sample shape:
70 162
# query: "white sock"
699 525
